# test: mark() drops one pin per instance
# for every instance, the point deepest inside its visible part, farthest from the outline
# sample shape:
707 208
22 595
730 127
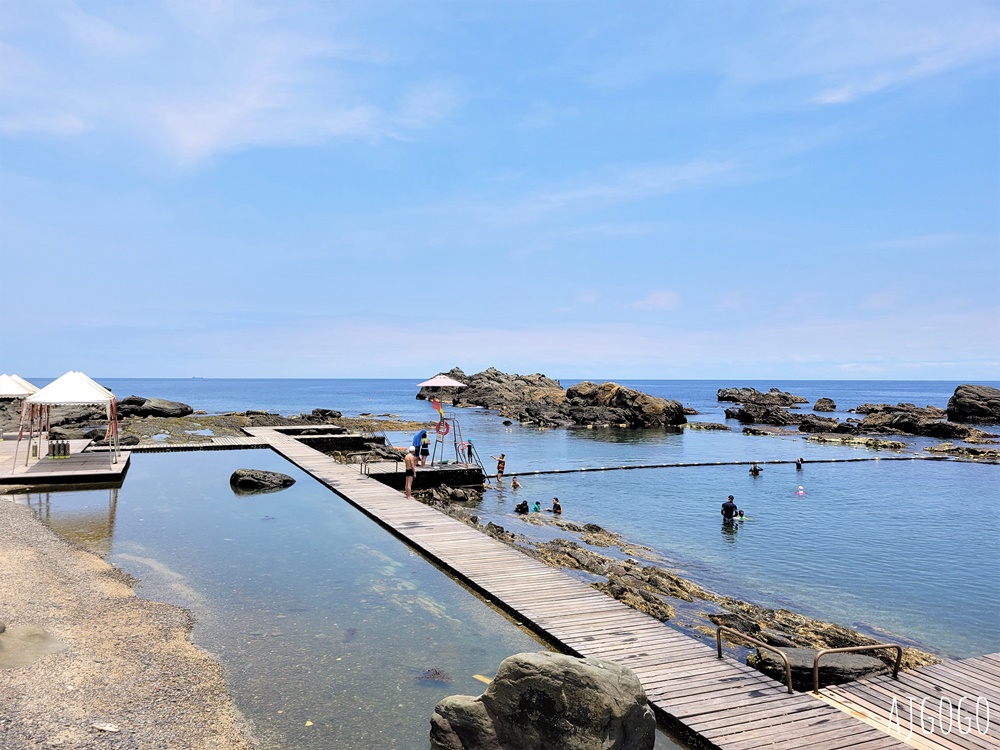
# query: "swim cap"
410 449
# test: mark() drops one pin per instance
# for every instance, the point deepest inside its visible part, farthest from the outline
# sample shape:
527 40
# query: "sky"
587 189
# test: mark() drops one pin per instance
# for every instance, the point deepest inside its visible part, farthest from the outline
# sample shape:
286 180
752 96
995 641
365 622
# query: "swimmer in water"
514 484
740 515
800 491
755 470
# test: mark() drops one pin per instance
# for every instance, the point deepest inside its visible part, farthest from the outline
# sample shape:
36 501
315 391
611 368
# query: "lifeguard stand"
450 430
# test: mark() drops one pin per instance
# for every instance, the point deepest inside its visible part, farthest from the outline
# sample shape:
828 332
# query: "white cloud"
202 78
658 299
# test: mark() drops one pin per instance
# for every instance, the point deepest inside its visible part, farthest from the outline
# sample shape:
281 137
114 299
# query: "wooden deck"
719 702
924 706
78 468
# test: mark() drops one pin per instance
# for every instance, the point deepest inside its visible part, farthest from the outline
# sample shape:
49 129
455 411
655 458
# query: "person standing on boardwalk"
410 462
501 465
425 449
729 509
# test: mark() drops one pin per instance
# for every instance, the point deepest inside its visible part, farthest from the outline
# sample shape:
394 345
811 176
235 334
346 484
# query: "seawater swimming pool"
332 632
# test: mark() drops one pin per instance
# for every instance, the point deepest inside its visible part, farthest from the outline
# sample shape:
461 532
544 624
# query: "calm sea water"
904 548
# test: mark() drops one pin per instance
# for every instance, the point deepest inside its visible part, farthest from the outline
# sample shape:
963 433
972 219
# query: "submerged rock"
833 668
258 480
543 701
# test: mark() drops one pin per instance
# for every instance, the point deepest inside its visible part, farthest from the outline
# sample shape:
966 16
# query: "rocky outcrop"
773 397
913 420
543 701
758 414
924 412
536 399
814 423
139 406
247 481
978 404
825 405
833 668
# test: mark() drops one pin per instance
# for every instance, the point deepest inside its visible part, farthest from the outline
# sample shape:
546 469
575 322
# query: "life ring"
443 428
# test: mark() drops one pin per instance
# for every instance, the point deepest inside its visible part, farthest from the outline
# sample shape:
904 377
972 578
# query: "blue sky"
628 189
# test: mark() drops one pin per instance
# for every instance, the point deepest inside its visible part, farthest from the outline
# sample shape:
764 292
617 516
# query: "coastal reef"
539 400
635 576
970 403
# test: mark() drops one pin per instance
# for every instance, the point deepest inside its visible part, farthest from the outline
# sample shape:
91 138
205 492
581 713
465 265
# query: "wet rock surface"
834 669
250 480
543 701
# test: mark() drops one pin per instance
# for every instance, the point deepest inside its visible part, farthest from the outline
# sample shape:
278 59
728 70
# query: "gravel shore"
121 672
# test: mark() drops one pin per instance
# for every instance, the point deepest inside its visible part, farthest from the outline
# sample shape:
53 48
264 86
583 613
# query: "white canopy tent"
11 388
24 384
72 389
14 388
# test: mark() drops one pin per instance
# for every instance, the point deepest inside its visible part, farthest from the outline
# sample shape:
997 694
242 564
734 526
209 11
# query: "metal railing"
758 644
846 649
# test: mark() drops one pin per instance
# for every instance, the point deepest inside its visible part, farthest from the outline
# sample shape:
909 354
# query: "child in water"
537 507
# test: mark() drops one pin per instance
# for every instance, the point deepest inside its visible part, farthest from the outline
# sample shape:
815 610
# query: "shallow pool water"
332 632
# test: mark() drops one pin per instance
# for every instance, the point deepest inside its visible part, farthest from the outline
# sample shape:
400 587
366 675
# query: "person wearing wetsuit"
729 509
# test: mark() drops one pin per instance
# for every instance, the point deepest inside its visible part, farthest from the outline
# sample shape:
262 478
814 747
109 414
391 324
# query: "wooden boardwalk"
943 706
717 701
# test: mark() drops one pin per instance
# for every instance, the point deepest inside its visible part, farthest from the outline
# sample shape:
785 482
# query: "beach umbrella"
441 381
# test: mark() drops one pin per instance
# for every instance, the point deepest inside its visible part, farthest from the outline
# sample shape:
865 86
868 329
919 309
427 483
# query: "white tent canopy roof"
441 381
73 388
30 388
10 388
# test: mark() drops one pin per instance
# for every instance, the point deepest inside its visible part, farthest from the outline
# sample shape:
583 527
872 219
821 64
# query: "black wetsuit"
729 510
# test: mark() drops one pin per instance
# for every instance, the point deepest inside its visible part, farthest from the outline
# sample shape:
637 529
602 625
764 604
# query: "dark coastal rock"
912 422
325 414
825 404
633 407
833 668
978 404
536 399
67 433
139 406
813 423
544 701
923 412
758 414
773 397
258 480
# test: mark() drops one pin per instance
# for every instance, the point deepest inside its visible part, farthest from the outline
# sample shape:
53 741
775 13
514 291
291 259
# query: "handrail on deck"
758 644
845 649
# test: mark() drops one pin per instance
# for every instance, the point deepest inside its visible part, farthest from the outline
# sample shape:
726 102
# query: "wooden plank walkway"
925 706
718 701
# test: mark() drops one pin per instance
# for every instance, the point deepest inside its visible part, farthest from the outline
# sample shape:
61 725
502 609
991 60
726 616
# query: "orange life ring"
443 428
